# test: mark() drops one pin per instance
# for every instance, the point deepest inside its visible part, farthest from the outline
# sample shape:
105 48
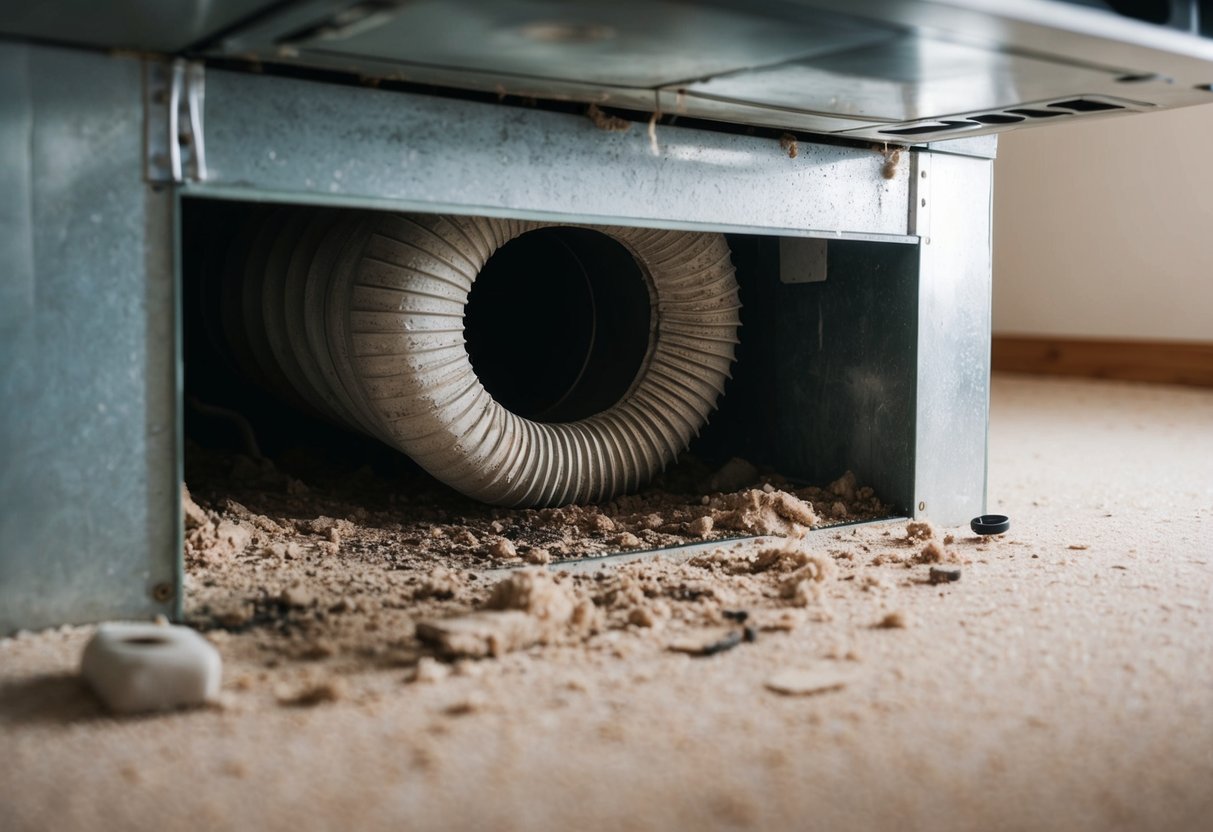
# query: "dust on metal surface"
420 152
89 479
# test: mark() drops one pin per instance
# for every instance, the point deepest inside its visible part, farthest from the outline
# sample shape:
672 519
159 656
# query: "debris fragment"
931 553
787 142
430 670
920 530
297 595
480 634
649 615
537 555
466 538
891 159
502 549
760 512
1078 547
805 682
708 642
528 607
845 486
895 620
440 583
606 121
313 693
944 574
535 592
700 527
468 705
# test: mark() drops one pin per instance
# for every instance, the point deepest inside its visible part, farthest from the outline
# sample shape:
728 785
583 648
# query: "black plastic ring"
990 524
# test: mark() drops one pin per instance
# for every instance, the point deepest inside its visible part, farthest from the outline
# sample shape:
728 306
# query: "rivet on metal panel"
920 216
163 592
922 506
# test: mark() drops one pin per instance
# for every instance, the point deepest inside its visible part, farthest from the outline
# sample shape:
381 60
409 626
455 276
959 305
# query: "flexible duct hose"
359 316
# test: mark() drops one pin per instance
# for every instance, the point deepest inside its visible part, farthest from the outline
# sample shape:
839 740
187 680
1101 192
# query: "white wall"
1105 229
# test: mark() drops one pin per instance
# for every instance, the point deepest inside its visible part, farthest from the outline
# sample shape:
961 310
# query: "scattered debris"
701 527
709 642
430 670
805 682
920 530
895 620
891 159
528 607
467 705
944 574
135 667
537 555
311 694
297 595
481 634
931 553
502 549
1079 547
440 583
606 121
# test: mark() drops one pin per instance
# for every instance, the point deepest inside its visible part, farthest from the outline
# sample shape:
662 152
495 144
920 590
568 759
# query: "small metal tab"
920 196
174 94
802 259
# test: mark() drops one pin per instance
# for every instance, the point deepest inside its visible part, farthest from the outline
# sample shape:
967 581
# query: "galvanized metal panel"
951 205
89 479
292 140
154 25
859 67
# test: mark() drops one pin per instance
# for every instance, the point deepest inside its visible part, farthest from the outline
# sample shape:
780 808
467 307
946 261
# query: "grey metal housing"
91 379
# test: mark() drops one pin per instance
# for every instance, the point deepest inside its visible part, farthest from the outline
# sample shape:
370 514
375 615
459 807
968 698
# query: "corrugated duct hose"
522 363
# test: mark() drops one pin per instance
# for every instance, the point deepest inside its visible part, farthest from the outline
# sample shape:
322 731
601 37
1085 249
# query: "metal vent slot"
920 129
996 118
1082 105
1038 113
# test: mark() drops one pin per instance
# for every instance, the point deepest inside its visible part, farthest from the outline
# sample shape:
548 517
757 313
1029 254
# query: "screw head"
162 592
922 506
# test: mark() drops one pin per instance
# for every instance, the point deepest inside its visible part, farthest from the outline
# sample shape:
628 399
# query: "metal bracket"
173 98
920 196
802 259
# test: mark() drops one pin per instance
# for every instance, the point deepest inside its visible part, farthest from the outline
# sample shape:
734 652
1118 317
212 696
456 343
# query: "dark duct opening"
558 324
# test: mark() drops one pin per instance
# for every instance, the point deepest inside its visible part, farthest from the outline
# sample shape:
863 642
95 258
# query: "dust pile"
411 521
316 579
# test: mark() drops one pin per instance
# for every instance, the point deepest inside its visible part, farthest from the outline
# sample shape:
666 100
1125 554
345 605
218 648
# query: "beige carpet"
1066 682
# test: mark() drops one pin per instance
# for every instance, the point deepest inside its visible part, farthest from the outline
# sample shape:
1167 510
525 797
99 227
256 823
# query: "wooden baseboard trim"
1160 362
